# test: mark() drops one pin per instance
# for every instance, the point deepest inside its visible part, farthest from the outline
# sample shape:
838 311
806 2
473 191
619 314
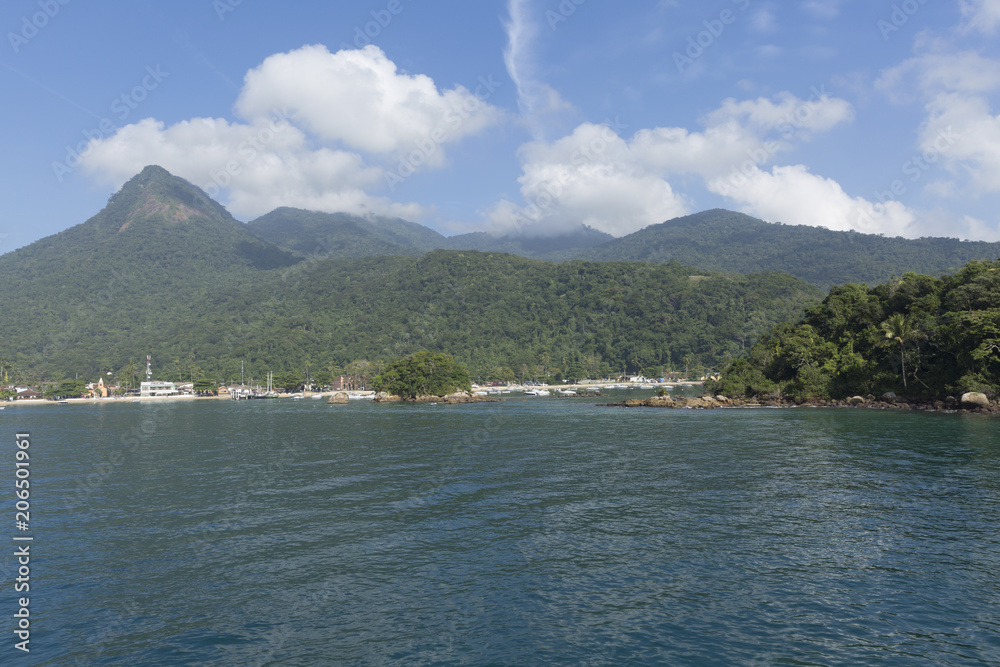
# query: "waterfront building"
150 388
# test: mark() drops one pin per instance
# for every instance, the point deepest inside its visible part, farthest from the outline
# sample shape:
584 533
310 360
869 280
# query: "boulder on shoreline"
338 398
975 400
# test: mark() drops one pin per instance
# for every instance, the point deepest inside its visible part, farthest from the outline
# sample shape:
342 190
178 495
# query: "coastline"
472 398
114 401
721 402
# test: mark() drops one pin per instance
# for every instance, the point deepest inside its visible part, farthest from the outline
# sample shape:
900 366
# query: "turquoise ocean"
532 531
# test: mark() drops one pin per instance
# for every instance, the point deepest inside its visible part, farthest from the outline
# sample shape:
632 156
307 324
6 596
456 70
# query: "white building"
149 389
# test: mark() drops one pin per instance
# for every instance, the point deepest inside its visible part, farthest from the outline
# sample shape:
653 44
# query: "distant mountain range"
716 240
165 270
349 236
722 240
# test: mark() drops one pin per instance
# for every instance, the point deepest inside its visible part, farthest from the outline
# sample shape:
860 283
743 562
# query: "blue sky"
531 115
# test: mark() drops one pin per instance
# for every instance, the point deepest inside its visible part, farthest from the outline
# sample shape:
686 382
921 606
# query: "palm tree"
901 328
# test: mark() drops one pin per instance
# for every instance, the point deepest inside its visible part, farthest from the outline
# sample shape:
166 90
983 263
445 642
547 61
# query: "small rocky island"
423 377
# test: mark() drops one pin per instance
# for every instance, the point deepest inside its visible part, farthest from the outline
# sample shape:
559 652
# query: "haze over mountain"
345 235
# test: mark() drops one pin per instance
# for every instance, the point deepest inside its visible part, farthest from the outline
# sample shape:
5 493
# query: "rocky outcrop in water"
885 402
451 399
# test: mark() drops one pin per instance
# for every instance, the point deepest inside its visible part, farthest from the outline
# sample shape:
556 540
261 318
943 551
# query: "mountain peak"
157 196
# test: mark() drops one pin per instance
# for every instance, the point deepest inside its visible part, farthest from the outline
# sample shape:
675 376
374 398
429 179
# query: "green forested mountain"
344 236
128 272
717 240
494 310
916 336
350 236
722 240
164 270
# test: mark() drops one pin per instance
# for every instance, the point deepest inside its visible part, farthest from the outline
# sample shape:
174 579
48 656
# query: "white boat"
358 396
566 392
537 392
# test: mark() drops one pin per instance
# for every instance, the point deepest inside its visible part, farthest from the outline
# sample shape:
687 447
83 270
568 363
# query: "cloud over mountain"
318 130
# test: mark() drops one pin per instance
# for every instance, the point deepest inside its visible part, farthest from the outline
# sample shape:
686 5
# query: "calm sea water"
537 531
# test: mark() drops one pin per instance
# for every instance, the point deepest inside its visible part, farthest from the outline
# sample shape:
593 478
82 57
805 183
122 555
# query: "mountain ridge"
164 270
716 239
723 240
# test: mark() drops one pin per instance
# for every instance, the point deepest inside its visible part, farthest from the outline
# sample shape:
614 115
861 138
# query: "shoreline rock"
451 399
974 400
886 402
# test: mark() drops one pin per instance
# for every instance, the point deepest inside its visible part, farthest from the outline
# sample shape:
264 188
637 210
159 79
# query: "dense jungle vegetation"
916 336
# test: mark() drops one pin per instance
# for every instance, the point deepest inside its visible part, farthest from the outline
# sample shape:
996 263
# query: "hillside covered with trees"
916 336
715 240
723 240
166 271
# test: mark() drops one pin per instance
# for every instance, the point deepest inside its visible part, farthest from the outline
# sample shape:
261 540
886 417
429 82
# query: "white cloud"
764 20
538 102
981 15
965 71
965 135
590 177
789 114
360 99
977 230
321 131
961 131
793 195
596 177
822 9
262 166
